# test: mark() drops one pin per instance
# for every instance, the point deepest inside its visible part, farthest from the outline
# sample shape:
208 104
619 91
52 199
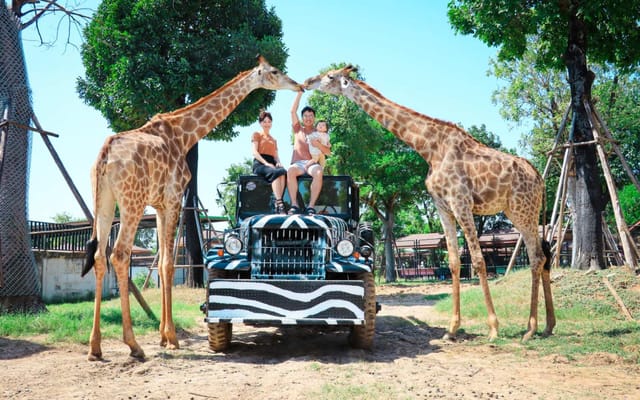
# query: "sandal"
310 211
280 207
294 210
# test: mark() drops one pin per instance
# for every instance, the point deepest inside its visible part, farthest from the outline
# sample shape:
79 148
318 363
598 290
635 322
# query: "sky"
405 49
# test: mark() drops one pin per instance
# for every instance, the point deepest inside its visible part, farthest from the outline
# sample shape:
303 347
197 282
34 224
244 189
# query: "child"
321 134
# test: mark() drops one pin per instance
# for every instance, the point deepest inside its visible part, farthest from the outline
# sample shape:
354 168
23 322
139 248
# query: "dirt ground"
409 361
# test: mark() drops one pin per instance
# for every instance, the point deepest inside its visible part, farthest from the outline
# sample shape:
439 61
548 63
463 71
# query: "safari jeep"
274 269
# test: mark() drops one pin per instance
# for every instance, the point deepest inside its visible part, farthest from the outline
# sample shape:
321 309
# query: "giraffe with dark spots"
465 177
147 167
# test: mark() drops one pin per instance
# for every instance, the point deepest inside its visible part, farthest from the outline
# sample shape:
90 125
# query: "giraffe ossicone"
147 167
465 178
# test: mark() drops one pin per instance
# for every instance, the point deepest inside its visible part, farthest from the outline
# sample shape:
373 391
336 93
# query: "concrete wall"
60 277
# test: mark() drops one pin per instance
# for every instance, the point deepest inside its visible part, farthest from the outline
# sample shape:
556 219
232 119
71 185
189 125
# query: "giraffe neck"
428 136
195 121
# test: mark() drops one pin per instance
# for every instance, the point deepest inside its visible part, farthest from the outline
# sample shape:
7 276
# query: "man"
301 155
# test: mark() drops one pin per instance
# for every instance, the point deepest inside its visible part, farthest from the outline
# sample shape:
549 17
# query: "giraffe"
465 178
147 167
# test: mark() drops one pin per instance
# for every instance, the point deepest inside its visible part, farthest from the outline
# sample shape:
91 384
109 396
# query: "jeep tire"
219 332
361 336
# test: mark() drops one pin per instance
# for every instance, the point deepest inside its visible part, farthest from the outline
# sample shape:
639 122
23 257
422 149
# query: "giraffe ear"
344 82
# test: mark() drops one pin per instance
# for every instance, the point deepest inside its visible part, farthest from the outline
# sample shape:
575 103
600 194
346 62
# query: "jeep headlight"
233 245
345 247
366 251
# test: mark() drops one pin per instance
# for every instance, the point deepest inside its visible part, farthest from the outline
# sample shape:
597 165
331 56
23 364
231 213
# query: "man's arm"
294 109
324 145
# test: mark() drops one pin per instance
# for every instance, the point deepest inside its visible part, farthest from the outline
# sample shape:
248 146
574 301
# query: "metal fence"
18 271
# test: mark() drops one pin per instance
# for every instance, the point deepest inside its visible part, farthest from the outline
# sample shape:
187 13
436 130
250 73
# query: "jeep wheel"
219 336
219 332
361 336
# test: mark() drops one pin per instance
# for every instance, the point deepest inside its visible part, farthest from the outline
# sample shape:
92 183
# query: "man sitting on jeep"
301 155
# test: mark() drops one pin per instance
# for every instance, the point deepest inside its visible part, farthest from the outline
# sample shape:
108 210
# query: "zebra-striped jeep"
274 269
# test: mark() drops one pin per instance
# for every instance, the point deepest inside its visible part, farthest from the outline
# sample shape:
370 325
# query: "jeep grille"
289 253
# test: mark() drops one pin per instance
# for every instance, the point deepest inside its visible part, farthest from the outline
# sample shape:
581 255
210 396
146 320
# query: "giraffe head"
269 77
333 82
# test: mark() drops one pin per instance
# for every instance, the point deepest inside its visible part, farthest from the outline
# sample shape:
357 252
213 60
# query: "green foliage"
227 190
146 238
139 279
509 23
148 56
64 217
629 199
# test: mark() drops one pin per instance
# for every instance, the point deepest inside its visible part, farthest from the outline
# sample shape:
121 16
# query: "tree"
568 31
148 56
19 284
395 172
539 99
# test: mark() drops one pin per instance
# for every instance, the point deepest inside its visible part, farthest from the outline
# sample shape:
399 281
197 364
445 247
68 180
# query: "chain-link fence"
20 285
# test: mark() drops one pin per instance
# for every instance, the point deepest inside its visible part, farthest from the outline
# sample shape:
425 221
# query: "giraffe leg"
95 350
130 214
536 266
539 270
104 210
449 226
546 286
468 227
120 261
167 221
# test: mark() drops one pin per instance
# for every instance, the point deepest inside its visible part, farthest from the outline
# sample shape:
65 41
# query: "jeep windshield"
338 196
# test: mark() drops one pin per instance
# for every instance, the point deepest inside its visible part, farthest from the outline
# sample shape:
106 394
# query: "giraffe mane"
370 89
206 98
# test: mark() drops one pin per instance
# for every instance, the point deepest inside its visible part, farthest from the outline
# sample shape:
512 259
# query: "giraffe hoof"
449 337
170 344
527 336
94 357
137 354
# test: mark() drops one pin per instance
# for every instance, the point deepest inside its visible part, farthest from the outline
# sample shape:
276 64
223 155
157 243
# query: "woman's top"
267 144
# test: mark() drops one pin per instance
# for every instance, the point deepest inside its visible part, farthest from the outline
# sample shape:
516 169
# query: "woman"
266 161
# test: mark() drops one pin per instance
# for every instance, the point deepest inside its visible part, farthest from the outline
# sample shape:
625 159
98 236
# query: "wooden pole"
64 172
136 293
623 308
616 148
623 231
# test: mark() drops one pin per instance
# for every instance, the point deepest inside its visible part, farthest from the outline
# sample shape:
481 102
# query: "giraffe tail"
90 250
546 249
92 244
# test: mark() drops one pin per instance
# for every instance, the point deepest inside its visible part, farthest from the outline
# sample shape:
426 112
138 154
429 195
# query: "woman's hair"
263 115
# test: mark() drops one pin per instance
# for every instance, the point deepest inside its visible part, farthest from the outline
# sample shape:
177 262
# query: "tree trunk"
387 226
586 198
191 222
20 289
